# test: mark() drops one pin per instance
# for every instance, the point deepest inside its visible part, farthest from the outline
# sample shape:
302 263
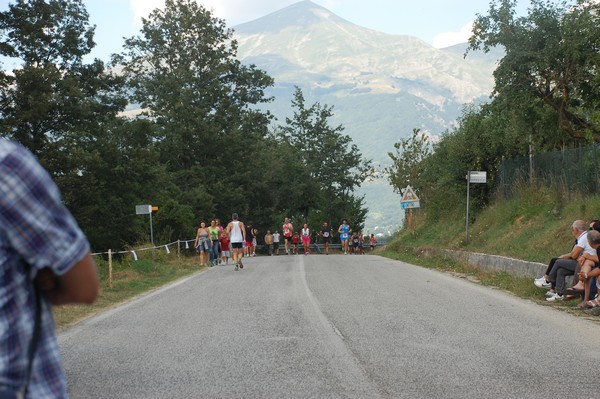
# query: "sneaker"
241 265
555 298
549 293
542 283
236 268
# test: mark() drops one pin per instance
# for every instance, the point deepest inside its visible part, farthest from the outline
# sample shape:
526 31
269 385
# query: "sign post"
147 210
473 177
410 201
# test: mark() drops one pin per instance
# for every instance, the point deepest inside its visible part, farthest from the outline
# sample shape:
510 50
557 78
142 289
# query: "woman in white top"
306 239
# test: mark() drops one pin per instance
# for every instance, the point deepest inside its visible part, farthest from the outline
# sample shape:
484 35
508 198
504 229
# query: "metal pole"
467 223
151 234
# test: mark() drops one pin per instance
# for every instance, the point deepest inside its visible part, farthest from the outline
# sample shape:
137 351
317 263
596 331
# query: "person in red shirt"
224 241
296 242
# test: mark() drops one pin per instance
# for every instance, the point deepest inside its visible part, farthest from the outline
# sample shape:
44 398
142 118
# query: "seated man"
566 265
588 272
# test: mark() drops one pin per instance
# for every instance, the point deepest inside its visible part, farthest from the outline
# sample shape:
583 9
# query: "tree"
551 56
333 165
406 169
53 99
65 111
183 72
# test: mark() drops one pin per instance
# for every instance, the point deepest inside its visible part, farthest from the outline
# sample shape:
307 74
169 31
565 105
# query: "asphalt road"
331 327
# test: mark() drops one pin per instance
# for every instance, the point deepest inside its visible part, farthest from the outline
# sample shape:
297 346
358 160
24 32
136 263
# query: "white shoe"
549 293
542 283
555 298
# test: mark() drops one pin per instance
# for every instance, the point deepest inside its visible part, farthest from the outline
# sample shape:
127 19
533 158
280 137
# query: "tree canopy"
199 147
545 97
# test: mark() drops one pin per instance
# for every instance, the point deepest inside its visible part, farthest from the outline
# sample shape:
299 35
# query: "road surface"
331 327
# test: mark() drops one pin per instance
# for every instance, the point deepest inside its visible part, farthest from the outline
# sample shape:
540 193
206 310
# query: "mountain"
381 86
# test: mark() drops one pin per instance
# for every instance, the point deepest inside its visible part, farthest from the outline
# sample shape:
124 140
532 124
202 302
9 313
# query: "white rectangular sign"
477 177
143 209
410 205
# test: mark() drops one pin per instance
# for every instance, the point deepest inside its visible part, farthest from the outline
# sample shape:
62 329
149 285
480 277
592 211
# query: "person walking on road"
237 237
306 239
203 243
344 231
288 231
276 237
269 242
326 234
213 231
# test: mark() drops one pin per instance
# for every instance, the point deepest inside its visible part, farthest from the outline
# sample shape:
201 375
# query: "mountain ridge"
381 86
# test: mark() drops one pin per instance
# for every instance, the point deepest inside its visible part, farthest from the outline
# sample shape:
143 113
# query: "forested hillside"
546 98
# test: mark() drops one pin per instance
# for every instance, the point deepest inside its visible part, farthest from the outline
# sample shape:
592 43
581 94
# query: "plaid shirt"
35 229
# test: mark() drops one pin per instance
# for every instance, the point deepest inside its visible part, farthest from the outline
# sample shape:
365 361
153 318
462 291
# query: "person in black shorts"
326 234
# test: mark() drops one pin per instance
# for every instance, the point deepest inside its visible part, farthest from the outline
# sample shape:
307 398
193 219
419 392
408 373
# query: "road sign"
143 209
473 177
410 205
477 177
147 210
409 199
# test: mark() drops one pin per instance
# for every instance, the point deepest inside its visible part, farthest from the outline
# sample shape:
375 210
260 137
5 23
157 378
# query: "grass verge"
129 279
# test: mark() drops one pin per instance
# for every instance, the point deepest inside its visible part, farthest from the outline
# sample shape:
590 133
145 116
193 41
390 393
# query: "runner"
276 242
344 230
355 244
249 239
213 231
295 242
237 236
254 241
288 230
306 239
373 241
326 234
202 243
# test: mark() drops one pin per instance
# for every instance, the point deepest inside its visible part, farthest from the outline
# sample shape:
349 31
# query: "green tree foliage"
551 61
406 168
545 97
53 98
331 167
199 149
183 72
65 111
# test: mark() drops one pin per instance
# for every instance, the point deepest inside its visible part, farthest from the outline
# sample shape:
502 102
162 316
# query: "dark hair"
596 225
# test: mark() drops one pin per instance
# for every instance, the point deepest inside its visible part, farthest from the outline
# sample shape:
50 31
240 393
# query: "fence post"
110 284
179 250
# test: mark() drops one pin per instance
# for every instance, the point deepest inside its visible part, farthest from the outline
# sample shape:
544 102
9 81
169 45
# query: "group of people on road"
582 263
216 244
212 243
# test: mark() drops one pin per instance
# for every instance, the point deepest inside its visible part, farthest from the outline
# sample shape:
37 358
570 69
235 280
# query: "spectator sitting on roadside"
589 271
544 281
567 264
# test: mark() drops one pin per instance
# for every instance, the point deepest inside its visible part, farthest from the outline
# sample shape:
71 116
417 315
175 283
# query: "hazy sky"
438 22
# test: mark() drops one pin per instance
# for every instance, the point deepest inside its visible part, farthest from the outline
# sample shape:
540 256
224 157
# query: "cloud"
142 8
446 39
232 11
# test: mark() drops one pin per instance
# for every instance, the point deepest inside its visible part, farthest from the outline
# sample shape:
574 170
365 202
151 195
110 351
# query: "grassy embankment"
129 279
534 227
